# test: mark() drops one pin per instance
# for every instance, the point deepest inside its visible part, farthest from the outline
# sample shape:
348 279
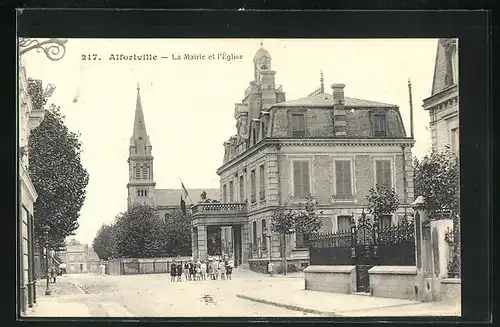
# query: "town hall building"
142 186
326 144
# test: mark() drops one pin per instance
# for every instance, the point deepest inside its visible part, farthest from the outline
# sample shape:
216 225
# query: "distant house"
74 258
442 105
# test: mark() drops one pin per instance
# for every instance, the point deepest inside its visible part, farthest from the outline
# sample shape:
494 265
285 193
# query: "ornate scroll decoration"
54 49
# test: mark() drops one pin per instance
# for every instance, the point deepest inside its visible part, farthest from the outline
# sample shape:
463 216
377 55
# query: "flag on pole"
184 195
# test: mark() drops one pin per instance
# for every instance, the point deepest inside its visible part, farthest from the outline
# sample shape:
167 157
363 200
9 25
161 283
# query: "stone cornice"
445 95
141 184
138 158
318 142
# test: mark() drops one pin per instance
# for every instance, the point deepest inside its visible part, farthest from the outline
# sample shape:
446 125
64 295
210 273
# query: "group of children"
196 271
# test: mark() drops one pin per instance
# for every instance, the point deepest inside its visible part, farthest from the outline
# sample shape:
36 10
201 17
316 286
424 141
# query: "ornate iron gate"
364 246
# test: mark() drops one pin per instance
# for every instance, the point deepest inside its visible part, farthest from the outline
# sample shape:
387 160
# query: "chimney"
339 119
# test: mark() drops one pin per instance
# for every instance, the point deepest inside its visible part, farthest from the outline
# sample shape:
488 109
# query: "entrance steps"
361 293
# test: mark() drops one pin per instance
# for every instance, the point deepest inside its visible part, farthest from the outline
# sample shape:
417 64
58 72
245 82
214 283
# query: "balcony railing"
219 207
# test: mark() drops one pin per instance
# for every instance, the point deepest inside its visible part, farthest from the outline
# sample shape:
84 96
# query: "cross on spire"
138 87
261 43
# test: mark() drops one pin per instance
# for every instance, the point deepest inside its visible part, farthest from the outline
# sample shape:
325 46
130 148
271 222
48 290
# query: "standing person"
186 270
173 272
53 274
103 269
215 267
203 267
192 270
270 268
179 271
198 271
209 268
229 270
222 270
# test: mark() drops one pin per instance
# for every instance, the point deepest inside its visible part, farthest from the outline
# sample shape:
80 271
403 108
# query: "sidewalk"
53 307
291 295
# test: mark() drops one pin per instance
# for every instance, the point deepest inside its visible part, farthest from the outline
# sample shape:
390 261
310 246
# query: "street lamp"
46 230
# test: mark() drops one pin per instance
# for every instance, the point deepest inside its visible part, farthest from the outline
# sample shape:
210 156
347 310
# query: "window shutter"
296 178
305 178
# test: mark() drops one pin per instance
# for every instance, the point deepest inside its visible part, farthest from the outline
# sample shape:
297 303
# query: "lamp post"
46 230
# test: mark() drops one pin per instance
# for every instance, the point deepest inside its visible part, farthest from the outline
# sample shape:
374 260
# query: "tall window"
383 172
252 185
254 136
137 172
262 192
298 125
301 186
380 125
254 230
231 191
242 188
343 223
385 221
224 193
145 171
454 140
343 183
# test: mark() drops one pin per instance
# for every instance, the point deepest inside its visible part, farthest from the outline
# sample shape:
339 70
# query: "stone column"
244 245
194 242
202 243
440 249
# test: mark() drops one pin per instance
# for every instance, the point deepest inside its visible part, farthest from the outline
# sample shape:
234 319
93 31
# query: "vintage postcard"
239 177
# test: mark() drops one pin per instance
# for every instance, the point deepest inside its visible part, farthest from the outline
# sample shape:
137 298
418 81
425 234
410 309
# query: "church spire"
139 123
321 80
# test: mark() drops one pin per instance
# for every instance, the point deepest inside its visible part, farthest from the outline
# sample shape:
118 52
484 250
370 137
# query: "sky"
189 104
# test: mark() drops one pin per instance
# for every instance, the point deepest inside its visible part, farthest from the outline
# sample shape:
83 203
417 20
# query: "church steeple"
141 183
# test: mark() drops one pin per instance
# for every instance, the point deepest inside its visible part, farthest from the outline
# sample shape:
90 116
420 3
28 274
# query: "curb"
287 306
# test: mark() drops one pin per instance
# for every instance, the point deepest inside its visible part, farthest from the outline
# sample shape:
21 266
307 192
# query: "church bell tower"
141 185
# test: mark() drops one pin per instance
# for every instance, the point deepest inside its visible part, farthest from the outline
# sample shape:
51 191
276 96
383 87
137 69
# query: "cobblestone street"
156 296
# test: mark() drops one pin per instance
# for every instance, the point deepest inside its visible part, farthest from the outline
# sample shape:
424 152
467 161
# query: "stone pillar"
194 243
202 243
440 249
245 249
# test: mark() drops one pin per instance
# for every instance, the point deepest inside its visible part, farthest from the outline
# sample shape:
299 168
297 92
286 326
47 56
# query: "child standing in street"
270 268
203 267
173 272
222 270
179 271
229 270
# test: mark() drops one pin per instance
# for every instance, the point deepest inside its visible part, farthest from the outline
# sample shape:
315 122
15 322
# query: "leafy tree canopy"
103 243
437 179
177 234
303 220
382 200
57 174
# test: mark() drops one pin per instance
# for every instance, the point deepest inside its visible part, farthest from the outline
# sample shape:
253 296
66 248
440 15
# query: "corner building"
326 144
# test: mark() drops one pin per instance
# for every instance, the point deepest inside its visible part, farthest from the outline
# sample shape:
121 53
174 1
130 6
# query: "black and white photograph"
239 177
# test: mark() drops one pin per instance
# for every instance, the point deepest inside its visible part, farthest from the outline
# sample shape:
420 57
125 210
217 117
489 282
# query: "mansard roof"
172 197
326 100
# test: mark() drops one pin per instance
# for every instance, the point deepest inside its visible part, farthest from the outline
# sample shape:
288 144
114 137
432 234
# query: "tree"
177 234
307 222
139 233
436 178
103 243
57 174
382 200
72 241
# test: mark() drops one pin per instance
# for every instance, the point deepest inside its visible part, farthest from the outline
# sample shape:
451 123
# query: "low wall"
398 282
334 279
293 265
451 290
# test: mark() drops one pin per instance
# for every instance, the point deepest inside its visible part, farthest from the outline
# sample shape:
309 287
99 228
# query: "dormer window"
380 125
298 125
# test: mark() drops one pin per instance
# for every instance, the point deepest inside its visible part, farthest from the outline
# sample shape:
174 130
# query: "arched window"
145 193
145 171
137 171
138 193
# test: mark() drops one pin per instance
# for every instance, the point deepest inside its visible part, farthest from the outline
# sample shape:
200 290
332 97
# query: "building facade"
328 145
30 117
443 103
141 187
